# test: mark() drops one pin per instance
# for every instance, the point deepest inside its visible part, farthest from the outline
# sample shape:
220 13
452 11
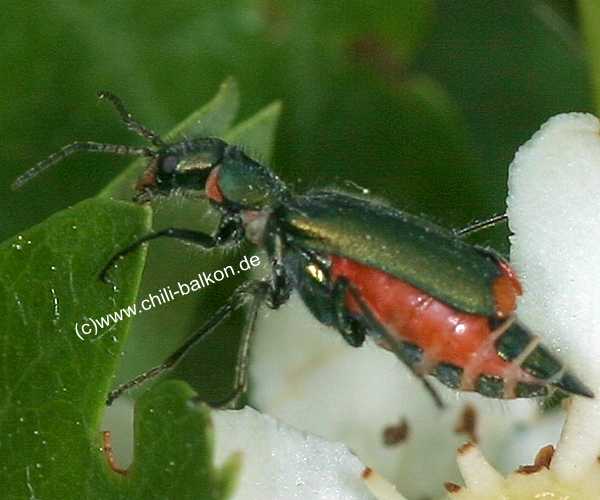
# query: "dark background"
422 102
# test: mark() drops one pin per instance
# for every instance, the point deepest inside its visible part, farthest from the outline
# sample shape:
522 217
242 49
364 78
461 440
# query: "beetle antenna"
131 123
484 224
65 151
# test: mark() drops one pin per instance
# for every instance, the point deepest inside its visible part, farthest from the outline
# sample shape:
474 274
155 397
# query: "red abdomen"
442 332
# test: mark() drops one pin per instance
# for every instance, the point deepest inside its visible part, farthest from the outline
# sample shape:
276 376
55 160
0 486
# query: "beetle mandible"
444 307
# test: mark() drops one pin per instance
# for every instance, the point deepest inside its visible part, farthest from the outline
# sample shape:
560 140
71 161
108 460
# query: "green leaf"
400 25
55 377
257 133
174 449
508 67
590 16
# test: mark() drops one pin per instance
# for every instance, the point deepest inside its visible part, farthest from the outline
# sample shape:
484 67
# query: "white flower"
554 211
281 463
307 376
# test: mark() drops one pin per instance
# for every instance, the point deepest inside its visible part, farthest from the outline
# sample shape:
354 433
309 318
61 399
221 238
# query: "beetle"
444 307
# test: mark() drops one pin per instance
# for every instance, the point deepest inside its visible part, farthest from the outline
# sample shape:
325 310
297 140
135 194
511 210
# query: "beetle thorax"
255 223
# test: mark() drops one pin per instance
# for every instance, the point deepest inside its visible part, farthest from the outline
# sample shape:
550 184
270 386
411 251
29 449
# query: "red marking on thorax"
148 178
444 333
212 186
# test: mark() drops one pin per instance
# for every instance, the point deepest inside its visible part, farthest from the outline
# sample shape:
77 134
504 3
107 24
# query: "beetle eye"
168 164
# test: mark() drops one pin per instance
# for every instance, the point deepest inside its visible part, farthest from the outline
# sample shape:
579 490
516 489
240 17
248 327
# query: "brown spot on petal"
396 434
367 472
452 487
467 423
108 453
544 456
542 460
465 448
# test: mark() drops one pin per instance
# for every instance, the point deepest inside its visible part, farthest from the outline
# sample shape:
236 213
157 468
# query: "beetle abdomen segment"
492 386
518 345
499 359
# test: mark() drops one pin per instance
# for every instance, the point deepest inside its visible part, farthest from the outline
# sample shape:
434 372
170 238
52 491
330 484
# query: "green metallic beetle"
444 307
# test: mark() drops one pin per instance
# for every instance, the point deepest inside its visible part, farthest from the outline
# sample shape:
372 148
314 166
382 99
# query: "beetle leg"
280 282
227 232
240 381
478 226
278 292
391 342
352 331
201 239
280 289
237 299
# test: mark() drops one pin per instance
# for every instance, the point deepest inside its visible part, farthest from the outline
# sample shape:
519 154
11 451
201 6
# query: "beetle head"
181 167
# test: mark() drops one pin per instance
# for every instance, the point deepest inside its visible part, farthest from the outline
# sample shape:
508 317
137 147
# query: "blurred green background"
423 102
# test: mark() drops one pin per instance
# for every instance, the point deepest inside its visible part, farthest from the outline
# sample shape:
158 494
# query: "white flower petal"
281 463
554 213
